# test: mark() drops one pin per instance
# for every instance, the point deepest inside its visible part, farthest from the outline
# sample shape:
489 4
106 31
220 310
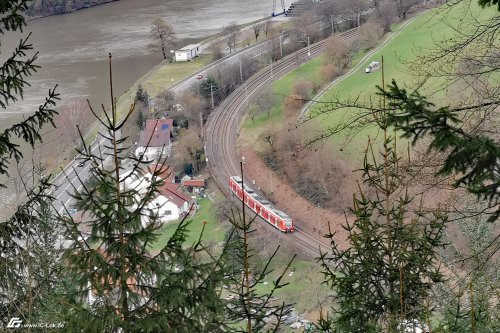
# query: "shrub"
328 72
303 89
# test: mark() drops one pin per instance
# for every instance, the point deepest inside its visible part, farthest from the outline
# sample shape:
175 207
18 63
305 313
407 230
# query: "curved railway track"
221 133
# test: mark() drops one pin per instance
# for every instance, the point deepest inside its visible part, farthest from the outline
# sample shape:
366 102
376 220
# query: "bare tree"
266 101
256 31
307 27
74 116
162 34
385 14
269 136
267 26
404 6
189 150
216 50
303 89
164 102
328 72
338 52
231 32
192 106
370 33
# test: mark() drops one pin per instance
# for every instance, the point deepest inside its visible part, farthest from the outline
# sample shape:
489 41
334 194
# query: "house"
187 53
170 203
193 185
155 140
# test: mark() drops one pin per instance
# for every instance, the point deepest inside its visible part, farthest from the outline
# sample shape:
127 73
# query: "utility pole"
272 75
281 47
308 47
246 93
241 70
212 96
331 21
201 124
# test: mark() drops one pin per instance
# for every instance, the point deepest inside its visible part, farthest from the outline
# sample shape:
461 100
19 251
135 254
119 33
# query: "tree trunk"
163 52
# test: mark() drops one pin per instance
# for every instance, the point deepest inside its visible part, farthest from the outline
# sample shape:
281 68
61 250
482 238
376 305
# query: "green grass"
305 285
309 71
415 40
160 78
214 231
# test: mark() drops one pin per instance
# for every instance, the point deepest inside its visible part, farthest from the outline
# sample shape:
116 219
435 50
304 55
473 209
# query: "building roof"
165 172
172 193
189 47
194 182
159 131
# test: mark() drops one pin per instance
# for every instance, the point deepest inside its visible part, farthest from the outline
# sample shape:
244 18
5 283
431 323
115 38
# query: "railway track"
221 132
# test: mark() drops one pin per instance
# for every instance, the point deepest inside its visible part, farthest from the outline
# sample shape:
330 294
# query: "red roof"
194 182
159 131
171 192
165 172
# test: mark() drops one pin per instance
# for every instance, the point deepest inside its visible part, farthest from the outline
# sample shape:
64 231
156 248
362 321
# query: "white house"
170 203
187 53
155 140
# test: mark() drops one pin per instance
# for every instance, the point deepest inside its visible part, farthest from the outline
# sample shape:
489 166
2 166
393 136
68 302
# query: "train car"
262 207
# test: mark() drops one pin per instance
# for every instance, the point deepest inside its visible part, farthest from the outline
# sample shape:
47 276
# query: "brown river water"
73 48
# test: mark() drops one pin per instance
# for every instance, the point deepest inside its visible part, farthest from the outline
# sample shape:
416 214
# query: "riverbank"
73 53
60 10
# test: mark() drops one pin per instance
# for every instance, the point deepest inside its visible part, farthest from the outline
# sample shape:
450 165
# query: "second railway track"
221 132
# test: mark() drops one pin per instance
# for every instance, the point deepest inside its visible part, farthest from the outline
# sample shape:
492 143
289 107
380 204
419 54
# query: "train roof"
262 201
237 179
281 214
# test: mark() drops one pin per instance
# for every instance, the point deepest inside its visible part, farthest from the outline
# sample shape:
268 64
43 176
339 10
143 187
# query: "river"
73 48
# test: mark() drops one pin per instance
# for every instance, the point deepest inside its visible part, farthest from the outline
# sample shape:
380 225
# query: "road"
69 179
221 132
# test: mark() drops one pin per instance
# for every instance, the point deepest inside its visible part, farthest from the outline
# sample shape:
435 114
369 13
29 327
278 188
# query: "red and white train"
259 205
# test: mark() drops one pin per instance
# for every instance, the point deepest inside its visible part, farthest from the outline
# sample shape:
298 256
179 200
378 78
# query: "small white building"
187 53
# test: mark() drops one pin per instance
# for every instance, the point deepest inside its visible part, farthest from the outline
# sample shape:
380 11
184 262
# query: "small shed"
187 53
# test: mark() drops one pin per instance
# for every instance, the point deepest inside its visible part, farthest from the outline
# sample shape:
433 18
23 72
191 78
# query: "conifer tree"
469 298
119 285
384 276
248 309
473 157
26 237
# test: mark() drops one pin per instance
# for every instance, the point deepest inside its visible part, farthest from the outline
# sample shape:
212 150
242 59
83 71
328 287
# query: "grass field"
161 77
304 288
417 39
309 71
214 230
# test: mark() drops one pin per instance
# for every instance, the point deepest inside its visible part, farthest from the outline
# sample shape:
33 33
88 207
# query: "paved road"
222 132
69 180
